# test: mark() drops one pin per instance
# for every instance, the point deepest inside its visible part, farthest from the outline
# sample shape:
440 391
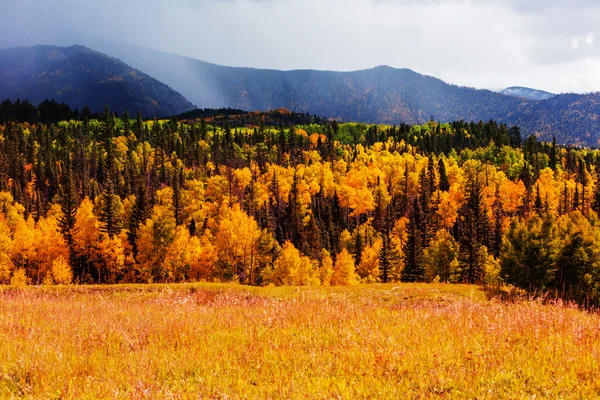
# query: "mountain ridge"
210 85
81 76
381 94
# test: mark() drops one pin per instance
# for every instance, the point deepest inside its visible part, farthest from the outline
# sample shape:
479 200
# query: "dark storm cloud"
551 44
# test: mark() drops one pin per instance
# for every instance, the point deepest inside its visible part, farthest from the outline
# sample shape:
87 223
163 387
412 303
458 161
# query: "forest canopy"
286 199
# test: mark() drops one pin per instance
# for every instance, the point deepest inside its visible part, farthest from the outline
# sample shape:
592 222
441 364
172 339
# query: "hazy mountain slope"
381 94
82 77
527 93
572 118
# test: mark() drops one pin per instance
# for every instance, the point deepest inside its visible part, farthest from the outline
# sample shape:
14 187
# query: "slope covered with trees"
378 95
121 200
81 77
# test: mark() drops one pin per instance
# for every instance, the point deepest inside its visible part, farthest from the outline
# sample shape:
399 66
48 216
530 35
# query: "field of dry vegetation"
230 341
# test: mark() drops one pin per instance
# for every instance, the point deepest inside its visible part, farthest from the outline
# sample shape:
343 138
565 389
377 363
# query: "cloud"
551 44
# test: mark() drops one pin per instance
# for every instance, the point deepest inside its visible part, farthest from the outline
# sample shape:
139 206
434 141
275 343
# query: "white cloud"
547 44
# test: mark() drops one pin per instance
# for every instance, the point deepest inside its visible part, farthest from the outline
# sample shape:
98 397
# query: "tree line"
264 201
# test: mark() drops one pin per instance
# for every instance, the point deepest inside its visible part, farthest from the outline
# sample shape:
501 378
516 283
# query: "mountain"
527 93
382 94
82 77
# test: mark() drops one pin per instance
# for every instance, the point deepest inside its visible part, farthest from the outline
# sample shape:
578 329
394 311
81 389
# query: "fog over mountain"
527 93
548 45
81 77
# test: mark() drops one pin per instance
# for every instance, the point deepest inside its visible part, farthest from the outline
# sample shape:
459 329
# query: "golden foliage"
344 271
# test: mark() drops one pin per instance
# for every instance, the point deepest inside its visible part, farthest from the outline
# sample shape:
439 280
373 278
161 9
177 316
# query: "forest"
264 201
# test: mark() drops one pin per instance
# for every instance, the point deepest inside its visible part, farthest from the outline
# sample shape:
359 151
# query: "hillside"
378 95
82 77
527 93
382 94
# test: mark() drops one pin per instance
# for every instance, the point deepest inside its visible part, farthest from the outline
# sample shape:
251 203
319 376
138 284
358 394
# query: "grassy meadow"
230 341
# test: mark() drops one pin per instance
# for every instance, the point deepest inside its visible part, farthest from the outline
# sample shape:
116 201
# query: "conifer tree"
109 210
444 183
388 255
473 232
414 270
68 205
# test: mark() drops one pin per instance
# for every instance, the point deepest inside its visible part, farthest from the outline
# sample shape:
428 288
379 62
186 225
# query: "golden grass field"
227 341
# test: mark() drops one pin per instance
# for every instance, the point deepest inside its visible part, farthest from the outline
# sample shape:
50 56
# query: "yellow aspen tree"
202 258
153 241
19 278
177 263
6 248
441 258
61 272
111 256
238 244
344 271
326 270
48 245
368 268
292 268
86 232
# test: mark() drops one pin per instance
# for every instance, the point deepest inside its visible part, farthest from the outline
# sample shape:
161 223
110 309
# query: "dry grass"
221 341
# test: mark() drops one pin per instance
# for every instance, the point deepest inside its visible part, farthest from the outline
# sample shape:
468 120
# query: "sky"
552 45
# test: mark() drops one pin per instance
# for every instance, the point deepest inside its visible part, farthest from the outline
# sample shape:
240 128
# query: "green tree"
414 270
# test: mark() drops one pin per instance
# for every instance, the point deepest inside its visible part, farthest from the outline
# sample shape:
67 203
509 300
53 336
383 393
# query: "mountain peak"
80 77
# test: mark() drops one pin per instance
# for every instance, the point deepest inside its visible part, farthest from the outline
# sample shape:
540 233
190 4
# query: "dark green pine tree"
553 160
444 182
110 222
313 239
68 206
596 201
277 212
405 194
388 255
583 180
498 228
177 182
359 246
379 214
139 127
564 202
414 270
430 204
109 131
515 137
100 172
294 225
538 206
431 175
338 221
472 227
192 228
330 143
140 212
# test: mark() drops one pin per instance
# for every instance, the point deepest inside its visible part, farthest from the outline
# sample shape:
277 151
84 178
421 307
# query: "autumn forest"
288 199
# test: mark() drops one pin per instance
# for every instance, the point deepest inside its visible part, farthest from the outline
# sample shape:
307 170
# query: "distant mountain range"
378 95
382 94
527 93
82 77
